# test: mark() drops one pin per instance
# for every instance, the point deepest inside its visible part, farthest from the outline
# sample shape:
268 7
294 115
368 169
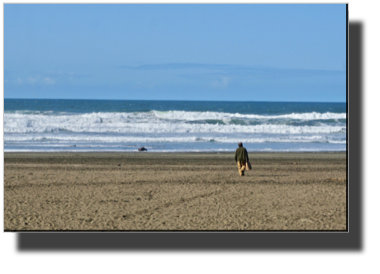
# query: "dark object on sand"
142 149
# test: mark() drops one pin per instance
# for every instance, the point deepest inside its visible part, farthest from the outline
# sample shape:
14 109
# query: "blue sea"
172 126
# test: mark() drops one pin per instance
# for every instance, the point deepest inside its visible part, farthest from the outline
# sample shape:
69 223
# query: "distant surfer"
142 149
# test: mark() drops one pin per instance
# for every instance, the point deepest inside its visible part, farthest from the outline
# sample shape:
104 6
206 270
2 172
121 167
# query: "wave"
177 128
51 139
152 123
188 115
193 115
180 150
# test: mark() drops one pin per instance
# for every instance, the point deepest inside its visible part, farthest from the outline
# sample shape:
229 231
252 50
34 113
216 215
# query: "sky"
217 52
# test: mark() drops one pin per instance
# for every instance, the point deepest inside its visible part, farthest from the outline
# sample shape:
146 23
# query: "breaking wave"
168 122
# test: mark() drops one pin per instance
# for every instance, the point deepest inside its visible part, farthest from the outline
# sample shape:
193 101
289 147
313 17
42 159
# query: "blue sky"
245 52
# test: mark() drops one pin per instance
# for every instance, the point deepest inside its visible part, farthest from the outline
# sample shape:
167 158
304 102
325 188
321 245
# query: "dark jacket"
241 154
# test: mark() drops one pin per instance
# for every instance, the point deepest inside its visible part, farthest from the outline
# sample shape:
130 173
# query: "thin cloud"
176 66
239 70
49 81
32 80
223 83
37 78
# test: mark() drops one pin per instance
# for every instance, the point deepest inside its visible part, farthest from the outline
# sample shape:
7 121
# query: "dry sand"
166 191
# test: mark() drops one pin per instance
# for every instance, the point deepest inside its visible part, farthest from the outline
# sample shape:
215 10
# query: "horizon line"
262 101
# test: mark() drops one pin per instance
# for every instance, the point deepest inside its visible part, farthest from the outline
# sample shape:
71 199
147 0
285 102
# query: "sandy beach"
174 191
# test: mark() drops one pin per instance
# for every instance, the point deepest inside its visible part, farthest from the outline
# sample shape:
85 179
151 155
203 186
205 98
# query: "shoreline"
174 152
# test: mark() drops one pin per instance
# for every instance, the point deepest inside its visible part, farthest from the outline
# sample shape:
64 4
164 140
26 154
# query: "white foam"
193 115
181 150
142 123
75 139
170 128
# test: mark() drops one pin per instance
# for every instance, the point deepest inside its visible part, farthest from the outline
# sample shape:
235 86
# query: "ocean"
37 125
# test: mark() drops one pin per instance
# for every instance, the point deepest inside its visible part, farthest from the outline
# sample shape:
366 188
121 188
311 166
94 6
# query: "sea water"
172 126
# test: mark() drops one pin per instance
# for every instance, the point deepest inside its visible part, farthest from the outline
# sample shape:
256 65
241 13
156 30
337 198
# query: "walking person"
241 158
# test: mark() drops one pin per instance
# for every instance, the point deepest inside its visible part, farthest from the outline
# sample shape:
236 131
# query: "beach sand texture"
174 191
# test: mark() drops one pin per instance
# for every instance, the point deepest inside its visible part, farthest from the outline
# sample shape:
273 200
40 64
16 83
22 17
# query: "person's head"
240 144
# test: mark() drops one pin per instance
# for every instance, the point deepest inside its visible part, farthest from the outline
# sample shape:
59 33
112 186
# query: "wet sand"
167 191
